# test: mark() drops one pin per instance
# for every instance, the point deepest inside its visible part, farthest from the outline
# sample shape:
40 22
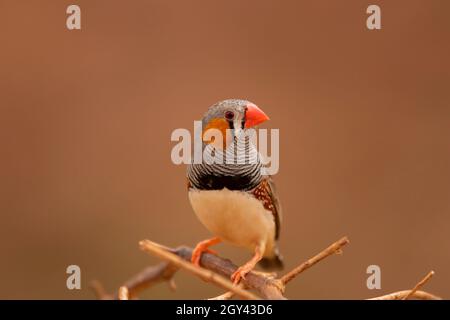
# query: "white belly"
235 217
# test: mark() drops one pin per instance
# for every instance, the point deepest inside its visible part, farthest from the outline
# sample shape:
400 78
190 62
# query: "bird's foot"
241 272
202 247
197 254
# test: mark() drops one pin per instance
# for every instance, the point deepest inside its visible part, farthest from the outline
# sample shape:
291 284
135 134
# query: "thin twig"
227 295
224 296
150 276
100 291
334 248
215 268
123 293
204 274
399 295
419 284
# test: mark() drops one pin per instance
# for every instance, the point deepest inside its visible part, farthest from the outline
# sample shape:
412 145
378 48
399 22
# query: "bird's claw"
197 254
239 274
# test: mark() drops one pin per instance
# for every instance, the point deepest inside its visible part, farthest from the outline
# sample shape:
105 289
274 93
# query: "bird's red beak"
254 116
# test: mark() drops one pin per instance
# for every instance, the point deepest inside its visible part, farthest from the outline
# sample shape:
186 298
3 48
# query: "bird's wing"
267 193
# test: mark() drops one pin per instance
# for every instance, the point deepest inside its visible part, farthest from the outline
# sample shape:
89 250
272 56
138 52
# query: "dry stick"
100 291
266 286
419 285
224 296
227 295
334 248
150 276
146 278
123 293
399 295
204 274
414 293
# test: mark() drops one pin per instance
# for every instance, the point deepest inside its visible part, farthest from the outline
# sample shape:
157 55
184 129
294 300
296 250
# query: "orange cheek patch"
218 124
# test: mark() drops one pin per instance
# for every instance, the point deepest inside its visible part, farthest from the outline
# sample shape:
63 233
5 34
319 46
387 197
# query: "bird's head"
230 117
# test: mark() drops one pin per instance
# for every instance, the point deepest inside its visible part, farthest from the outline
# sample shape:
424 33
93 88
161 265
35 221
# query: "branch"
204 274
400 295
419 285
99 291
123 293
266 287
218 270
334 248
227 295
150 276
414 293
264 284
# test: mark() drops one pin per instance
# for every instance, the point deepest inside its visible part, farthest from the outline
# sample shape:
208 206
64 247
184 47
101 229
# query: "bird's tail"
272 263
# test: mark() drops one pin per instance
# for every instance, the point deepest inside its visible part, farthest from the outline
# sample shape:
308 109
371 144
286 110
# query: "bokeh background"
86 118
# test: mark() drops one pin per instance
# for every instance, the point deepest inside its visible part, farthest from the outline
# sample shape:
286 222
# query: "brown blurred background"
86 118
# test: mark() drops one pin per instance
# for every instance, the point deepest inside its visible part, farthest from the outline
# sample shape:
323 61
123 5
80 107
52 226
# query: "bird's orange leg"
203 247
246 268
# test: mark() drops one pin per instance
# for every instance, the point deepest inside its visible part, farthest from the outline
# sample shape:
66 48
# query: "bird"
235 200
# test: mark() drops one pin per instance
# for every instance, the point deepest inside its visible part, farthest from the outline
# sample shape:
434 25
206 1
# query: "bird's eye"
229 115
